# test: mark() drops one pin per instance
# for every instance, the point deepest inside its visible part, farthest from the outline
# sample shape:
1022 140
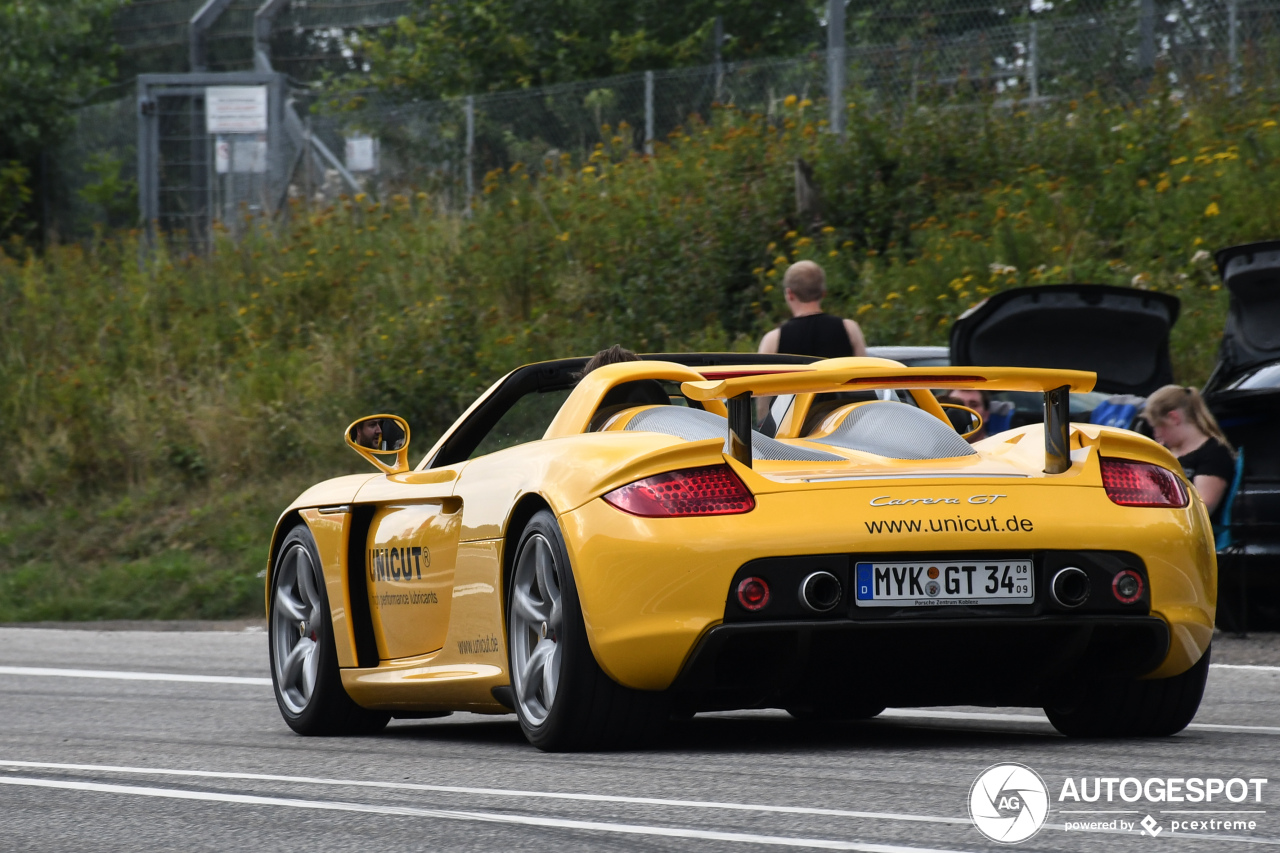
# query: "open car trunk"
1119 333
1244 395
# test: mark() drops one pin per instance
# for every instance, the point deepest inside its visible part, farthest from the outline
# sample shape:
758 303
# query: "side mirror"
383 440
965 420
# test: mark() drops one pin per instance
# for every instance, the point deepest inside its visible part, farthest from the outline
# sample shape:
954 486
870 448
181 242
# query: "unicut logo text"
1008 802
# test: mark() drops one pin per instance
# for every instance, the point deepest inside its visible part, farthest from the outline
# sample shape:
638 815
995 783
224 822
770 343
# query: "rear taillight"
713 490
1132 483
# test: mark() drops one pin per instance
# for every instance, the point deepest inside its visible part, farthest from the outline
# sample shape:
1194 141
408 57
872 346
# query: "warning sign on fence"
235 109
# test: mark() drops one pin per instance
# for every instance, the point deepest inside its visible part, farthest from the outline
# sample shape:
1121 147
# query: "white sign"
362 154
235 109
222 155
249 153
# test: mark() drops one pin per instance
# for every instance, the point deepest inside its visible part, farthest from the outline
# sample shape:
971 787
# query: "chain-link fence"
448 145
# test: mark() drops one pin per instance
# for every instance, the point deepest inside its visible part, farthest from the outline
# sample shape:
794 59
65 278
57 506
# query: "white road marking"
1253 666
525 820
487 817
491 792
131 676
977 716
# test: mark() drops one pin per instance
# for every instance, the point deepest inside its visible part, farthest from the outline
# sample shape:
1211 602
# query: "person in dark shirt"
1183 423
809 331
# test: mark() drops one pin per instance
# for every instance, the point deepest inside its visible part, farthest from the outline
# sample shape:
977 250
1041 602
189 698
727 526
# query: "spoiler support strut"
1057 429
740 427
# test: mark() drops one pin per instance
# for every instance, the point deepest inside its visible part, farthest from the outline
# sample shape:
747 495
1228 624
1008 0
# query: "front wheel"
564 701
304 659
1156 707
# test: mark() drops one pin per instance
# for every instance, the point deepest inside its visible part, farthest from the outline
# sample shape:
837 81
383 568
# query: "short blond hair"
806 281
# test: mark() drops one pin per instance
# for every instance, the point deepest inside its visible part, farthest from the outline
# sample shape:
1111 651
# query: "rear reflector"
1126 586
753 593
1132 483
713 490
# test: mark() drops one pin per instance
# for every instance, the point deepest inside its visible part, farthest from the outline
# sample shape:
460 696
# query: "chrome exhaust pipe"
1070 587
820 592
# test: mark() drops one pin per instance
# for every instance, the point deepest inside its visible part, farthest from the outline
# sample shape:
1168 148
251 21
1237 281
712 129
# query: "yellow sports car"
598 553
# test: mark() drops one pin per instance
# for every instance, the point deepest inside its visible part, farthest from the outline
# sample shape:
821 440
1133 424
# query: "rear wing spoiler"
737 387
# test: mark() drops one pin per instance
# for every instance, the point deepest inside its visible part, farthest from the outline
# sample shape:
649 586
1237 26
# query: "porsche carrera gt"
599 553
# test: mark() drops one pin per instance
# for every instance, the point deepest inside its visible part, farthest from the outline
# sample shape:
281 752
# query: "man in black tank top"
809 331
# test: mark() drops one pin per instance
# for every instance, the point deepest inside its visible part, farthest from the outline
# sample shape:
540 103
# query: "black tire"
579 708
1134 707
302 649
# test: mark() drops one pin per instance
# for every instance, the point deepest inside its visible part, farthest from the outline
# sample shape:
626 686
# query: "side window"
525 421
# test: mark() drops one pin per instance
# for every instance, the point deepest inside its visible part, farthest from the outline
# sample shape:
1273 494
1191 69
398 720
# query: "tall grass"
125 369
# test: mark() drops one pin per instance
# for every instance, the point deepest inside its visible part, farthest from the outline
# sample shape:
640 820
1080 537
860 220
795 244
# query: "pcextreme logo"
1008 802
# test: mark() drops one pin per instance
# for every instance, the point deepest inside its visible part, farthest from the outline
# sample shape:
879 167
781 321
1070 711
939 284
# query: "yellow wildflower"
789 101
1212 209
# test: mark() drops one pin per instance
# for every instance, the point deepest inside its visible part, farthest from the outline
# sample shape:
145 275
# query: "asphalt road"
109 761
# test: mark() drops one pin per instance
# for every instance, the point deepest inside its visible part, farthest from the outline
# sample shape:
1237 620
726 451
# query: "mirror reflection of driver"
369 434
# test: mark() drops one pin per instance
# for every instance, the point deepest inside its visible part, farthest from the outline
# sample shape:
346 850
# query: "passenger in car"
616 354
1182 422
641 392
979 401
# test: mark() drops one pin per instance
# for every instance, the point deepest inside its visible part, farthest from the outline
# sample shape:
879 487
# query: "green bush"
126 371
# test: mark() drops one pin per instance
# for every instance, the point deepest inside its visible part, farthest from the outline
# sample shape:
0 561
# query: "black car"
1244 394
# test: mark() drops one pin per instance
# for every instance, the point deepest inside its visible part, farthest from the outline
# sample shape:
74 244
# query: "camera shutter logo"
1008 803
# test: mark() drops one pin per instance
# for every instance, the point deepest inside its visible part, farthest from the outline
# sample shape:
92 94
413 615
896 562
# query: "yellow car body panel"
651 588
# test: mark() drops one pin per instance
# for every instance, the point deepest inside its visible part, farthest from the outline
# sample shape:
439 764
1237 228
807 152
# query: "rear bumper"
652 589
1020 661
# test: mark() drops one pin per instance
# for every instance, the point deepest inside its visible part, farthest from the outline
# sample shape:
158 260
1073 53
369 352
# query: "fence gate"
209 147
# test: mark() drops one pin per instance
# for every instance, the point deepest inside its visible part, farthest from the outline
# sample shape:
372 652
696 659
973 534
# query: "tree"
454 47
53 55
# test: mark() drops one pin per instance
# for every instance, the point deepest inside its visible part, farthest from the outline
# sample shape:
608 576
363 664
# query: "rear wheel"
564 701
1156 707
304 659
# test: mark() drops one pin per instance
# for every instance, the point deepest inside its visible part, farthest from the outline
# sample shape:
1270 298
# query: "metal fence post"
471 145
1147 35
835 65
1233 44
1033 60
648 112
200 24
718 36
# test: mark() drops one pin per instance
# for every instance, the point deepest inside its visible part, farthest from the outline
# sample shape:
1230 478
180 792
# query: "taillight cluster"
713 490
1132 483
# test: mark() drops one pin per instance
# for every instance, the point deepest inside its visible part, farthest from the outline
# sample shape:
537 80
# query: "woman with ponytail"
1183 423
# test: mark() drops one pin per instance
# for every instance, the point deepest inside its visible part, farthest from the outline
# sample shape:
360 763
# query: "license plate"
941 582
